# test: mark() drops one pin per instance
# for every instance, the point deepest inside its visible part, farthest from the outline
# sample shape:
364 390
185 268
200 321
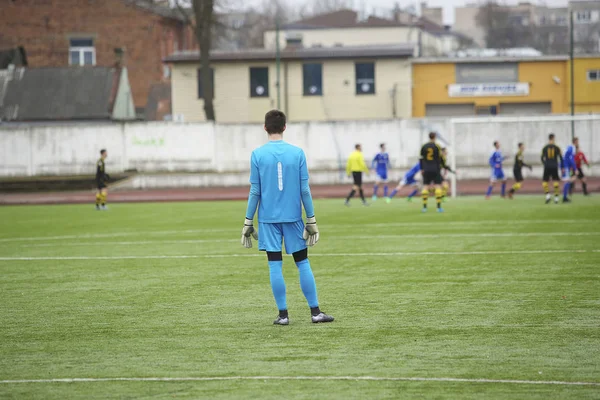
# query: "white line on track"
326 226
330 238
253 254
300 378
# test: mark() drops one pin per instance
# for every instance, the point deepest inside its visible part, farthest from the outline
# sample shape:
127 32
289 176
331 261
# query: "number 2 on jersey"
429 154
551 153
280 176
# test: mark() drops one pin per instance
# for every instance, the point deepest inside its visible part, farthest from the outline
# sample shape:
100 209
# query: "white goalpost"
471 142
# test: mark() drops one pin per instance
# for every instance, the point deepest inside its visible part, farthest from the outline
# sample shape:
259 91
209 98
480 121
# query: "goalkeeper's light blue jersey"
279 168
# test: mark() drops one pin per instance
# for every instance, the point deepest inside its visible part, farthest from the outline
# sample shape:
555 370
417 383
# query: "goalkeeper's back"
279 169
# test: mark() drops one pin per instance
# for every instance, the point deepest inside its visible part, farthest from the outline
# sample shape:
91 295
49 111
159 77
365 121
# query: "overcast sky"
447 4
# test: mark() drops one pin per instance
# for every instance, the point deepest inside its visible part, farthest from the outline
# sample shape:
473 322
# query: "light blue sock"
503 188
278 284
375 190
489 191
307 283
385 190
393 193
566 190
414 192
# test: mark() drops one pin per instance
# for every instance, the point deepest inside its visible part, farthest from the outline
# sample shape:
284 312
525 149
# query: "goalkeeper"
279 188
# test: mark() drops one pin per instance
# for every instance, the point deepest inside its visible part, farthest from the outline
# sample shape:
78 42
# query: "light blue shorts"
271 237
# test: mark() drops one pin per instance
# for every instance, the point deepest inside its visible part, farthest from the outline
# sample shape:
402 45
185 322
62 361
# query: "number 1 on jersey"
280 176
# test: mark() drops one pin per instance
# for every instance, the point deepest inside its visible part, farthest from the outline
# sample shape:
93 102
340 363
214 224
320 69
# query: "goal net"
471 142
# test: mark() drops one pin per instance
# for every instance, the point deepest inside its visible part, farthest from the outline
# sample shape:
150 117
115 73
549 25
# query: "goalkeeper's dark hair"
275 122
432 135
551 136
102 151
520 144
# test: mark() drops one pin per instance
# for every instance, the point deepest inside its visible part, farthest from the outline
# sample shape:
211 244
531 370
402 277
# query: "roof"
150 6
475 60
314 53
52 94
349 19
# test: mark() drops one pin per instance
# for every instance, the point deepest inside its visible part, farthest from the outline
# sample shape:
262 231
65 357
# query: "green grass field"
492 290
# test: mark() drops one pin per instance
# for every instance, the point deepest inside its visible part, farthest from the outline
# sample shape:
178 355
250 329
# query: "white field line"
326 226
254 254
301 378
329 238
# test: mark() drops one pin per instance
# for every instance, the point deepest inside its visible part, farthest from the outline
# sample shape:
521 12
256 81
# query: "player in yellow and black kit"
431 166
101 179
552 160
517 170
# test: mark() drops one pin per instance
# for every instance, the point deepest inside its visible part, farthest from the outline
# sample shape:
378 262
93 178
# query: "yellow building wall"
587 93
543 87
340 101
233 103
430 86
232 93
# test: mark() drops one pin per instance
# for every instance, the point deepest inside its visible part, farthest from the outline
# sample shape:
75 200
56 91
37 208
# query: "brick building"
59 33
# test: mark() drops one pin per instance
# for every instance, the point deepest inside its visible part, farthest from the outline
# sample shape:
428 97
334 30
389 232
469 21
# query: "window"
313 79
583 16
259 82
593 75
82 52
365 78
562 20
212 80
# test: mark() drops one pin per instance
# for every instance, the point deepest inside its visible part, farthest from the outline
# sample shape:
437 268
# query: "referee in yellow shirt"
356 166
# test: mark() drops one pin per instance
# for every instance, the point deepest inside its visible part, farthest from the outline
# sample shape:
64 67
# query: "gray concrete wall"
205 149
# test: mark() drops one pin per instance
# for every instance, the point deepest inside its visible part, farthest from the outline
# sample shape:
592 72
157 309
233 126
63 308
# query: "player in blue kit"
569 169
497 173
408 179
279 188
381 164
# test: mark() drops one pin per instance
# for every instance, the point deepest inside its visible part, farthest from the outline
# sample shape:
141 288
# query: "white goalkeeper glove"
248 232
311 231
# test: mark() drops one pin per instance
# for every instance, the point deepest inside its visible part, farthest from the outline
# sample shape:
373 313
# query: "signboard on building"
488 89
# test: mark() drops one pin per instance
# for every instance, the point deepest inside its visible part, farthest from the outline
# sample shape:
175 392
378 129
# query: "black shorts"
357 177
580 174
101 185
431 177
551 173
518 175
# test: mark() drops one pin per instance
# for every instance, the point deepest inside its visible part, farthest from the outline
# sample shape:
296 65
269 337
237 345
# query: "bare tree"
504 29
327 6
587 37
203 21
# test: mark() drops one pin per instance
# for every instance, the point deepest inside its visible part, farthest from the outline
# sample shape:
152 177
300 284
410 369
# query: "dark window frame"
315 81
368 76
254 82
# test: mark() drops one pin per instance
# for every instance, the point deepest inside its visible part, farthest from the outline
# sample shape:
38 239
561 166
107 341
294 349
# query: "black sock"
351 195
584 185
283 313
314 311
362 195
